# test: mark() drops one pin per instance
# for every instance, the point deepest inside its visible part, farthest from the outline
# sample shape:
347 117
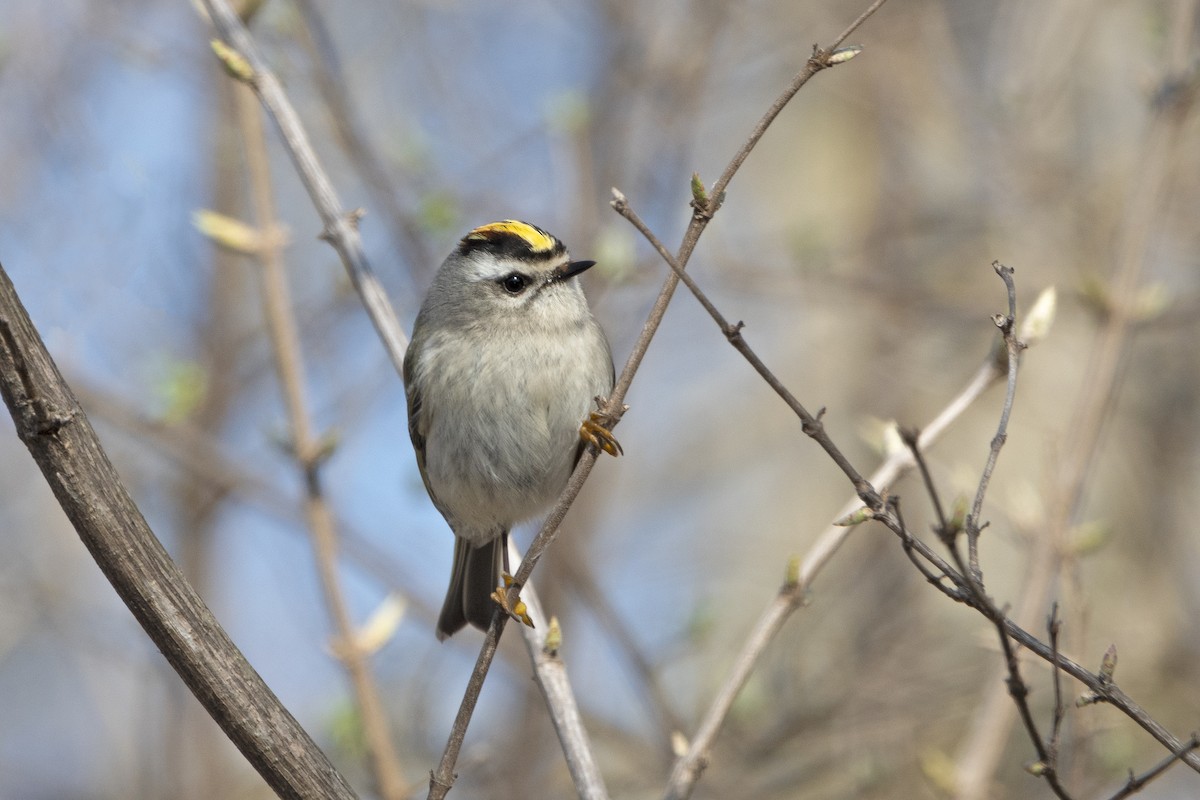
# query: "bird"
504 375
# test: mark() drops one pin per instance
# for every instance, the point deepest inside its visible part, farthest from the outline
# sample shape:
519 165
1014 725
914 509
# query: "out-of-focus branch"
306 449
55 429
583 584
543 640
341 227
331 83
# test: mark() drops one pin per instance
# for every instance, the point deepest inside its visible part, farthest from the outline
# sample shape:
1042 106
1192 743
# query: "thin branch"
442 779
55 429
1019 691
820 60
306 450
341 227
812 424
1104 691
1013 348
1053 625
1138 782
911 439
936 579
1017 688
898 464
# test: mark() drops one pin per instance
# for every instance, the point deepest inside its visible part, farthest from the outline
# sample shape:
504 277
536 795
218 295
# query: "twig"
1013 348
897 464
911 438
55 429
812 424
1019 691
907 542
818 62
1104 690
1136 783
306 450
442 779
341 228
1053 625
969 568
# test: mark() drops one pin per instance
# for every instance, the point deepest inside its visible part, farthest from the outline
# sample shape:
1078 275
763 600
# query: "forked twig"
1136 783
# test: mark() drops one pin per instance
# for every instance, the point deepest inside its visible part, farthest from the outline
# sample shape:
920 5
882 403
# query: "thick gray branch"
52 425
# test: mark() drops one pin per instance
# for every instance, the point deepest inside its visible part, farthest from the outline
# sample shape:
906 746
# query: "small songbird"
503 372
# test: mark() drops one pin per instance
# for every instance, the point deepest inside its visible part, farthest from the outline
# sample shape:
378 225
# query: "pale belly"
507 451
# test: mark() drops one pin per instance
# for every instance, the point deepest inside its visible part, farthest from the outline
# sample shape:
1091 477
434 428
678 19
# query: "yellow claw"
594 432
519 611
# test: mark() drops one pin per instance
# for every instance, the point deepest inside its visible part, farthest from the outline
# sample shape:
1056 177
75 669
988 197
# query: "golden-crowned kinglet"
503 369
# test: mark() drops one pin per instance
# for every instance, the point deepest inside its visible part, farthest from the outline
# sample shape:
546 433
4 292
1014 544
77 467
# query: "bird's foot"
595 432
518 611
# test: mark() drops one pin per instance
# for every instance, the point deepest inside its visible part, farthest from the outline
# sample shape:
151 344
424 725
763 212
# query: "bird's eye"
514 283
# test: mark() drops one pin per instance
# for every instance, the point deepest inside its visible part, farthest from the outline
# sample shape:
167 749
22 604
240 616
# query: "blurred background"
855 243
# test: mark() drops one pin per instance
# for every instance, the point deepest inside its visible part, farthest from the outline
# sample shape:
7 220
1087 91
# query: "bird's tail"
473 578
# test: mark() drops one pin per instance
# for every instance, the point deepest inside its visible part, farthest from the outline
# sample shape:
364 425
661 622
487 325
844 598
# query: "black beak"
572 269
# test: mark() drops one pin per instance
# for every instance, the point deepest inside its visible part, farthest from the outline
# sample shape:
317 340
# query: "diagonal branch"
341 228
52 425
1136 783
308 454
812 424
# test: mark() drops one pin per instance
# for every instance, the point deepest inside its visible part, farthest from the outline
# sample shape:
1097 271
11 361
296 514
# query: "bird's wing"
418 424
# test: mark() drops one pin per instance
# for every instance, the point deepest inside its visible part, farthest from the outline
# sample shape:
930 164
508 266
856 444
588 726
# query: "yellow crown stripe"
538 240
